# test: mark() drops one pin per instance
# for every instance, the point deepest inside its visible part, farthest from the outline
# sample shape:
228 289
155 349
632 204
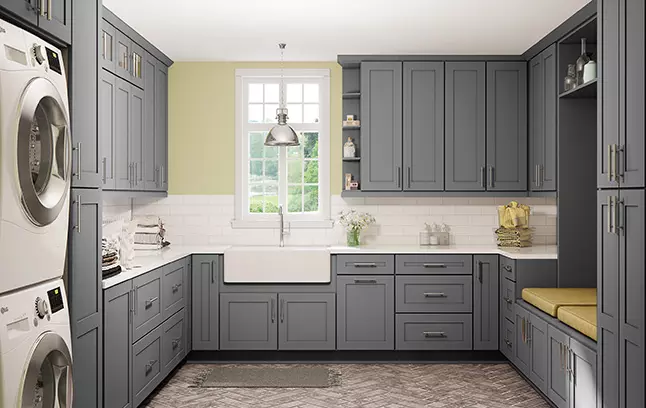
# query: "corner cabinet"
381 126
543 87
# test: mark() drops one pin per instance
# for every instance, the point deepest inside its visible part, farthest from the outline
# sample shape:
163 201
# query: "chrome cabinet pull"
399 177
434 265
613 158
490 184
618 172
42 8
508 343
522 332
480 266
434 334
434 295
483 175
176 343
609 163
212 271
364 265
509 301
409 177
163 178
619 216
49 10
609 215
273 310
78 203
366 281
105 164
149 303
529 332
77 149
282 310
157 177
560 356
150 365
176 287
136 297
507 268
536 176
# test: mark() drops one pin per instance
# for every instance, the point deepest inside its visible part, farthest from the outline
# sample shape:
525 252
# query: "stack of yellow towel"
514 228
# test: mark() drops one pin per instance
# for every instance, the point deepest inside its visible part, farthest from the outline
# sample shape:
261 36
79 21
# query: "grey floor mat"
270 377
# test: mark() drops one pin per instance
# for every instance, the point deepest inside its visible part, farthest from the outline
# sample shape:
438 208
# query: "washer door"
48 378
43 152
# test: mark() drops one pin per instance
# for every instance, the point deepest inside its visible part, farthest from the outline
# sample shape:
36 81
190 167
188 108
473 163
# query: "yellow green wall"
202 125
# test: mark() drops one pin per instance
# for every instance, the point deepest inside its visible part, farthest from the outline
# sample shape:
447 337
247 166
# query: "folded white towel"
148 221
148 239
148 230
147 247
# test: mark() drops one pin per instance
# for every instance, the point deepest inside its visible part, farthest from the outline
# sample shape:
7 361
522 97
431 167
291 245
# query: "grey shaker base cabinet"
486 318
271 321
204 302
434 332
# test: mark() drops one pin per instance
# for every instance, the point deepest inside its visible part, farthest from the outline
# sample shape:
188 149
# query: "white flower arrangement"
354 220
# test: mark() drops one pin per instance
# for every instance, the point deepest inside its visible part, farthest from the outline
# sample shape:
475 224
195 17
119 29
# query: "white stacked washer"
35 160
35 344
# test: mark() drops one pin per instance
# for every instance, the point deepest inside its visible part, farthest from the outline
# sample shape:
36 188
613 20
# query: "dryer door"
48 375
44 152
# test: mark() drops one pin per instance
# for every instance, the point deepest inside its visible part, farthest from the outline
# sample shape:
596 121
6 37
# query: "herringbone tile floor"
366 385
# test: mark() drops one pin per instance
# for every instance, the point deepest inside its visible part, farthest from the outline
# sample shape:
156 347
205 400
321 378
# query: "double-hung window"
296 178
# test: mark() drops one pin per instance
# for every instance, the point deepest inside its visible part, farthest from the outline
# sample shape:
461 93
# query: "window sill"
311 224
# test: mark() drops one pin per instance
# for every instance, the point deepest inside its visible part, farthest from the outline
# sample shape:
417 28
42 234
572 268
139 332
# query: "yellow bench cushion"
581 318
550 299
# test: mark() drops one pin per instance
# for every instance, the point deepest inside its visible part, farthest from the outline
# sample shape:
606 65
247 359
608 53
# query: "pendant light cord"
282 70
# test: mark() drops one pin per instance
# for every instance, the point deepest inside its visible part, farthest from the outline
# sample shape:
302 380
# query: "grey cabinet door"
465 137
249 321
117 350
137 131
85 295
522 349
124 50
507 126
82 73
173 283
632 306
25 10
543 89
609 87
123 171
365 312
557 376
161 125
539 355
381 126
150 172
608 299
107 46
424 126
136 60
307 321
632 160
486 280
173 342
583 377
147 303
205 316
108 129
57 19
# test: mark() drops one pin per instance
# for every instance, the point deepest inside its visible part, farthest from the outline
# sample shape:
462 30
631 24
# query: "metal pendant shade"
282 134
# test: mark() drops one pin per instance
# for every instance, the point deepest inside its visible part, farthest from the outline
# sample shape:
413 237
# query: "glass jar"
581 62
570 78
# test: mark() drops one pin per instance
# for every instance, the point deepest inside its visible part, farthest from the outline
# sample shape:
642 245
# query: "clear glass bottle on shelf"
581 61
570 79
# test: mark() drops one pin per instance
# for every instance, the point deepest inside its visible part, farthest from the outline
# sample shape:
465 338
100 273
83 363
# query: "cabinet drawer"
507 336
508 268
507 298
434 265
147 303
146 365
173 342
434 332
434 294
173 282
365 264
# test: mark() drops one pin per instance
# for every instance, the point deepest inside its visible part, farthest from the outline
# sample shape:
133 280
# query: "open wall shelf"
585 91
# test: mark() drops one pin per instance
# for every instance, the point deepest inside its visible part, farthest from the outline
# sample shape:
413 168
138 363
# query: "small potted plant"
354 222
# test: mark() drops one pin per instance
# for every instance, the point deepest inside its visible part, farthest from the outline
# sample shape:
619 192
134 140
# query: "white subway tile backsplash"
206 219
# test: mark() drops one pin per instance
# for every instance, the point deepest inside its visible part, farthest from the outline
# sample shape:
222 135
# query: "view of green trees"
302 167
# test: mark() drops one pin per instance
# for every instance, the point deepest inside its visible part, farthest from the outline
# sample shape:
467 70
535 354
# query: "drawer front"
147 365
147 303
507 336
173 342
173 282
434 294
365 264
434 264
507 298
508 268
434 332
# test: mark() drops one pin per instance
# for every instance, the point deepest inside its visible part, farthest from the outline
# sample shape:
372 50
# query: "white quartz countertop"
146 261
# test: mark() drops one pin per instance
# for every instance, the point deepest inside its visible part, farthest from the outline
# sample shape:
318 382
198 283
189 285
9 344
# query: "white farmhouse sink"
265 264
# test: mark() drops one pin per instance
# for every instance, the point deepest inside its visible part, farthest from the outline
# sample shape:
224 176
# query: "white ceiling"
319 30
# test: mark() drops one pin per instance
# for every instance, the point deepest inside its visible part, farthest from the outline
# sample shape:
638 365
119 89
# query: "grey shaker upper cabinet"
108 46
543 86
107 128
424 126
27 10
56 19
506 126
465 126
381 126
149 172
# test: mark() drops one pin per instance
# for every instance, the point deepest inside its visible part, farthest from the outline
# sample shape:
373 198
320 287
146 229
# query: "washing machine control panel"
55 300
39 54
42 309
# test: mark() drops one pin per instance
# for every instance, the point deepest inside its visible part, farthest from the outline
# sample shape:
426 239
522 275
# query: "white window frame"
244 219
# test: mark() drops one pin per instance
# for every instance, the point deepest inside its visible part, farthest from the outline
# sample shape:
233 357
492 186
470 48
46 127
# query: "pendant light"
282 134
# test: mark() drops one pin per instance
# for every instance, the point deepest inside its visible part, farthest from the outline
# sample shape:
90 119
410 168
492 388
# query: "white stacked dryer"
35 160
